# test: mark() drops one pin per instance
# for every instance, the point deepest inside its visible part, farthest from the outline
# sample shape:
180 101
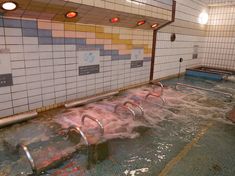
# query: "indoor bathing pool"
146 131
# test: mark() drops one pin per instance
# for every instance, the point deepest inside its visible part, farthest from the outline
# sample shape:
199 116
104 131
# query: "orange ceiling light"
154 25
9 5
71 14
114 20
142 22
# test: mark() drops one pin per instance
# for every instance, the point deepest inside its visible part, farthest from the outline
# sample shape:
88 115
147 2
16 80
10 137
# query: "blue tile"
30 32
44 33
70 41
45 41
81 41
1 22
58 41
29 24
121 57
147 59
115 52
12 23
106 53
100 46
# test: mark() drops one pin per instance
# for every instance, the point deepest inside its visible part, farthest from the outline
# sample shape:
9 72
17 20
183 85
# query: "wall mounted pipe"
17 118
156 95
78 131
126 108
95 120
136 105
90 100
158 84
29 157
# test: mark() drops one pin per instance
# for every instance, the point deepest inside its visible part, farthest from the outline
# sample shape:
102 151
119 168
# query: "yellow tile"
100 35
99 29
69 27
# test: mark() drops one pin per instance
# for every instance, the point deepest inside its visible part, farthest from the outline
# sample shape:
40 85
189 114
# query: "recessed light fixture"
71 14
9 6
154 25
139 23
114 20
203 17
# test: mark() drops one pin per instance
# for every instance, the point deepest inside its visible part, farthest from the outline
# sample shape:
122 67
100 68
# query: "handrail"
155 95
125 107
134 104
29 157
230 96
160 85
95 120
79 131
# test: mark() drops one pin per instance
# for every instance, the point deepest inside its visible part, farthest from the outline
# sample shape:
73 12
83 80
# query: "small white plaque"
86 58
137 54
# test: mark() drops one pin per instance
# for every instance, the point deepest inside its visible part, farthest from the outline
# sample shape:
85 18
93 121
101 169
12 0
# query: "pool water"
189 135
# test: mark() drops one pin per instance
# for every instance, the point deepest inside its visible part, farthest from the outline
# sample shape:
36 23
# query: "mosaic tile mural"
53 62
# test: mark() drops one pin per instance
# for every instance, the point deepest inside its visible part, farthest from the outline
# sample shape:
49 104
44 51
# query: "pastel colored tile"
58 26
44 25
123 52
58 41
58 33
12 22
44 33
90 41
45 40
81 41
70 34
1 22
29 24
70 41
90 35
69 27
81 34
30 32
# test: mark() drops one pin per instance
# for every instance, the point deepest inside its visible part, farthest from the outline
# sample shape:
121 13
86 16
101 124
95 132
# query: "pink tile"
90 41
90 35
124 51
108 47
58 26
81 34
99 41
58 33
44 25
70 34
107 41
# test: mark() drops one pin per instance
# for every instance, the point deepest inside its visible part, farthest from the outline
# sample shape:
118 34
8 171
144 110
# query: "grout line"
169 166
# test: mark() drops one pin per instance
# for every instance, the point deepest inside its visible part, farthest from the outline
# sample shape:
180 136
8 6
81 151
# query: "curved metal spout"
155 95
160 85
78 131
29 157
125 107
95 120
136 105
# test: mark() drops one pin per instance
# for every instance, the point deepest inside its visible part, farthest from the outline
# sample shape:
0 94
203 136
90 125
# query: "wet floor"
190 134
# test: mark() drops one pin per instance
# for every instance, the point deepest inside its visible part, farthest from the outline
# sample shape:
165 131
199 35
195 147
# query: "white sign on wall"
86 58
137 54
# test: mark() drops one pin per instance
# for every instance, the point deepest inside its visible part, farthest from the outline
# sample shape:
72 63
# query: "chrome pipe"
95 120
134 104
125 107
78 131
160 85
17 118
155 95
29 157
90 100
228 95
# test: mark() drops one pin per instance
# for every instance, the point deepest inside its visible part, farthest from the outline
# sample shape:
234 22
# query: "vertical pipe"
155 39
